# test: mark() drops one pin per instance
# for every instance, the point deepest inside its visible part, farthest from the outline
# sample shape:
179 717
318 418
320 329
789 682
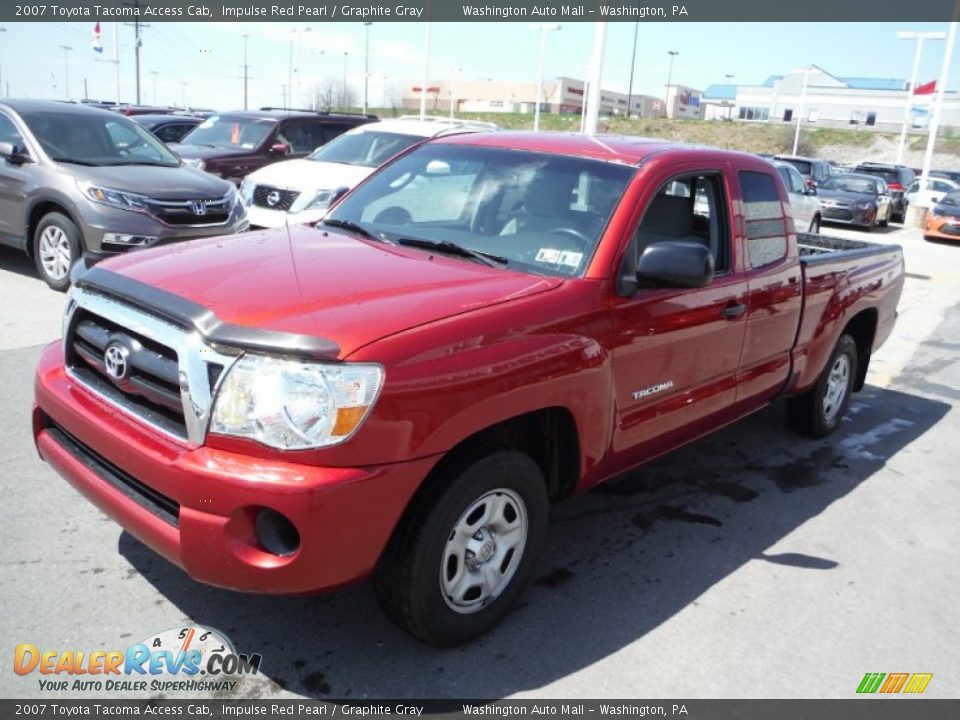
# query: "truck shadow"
620 562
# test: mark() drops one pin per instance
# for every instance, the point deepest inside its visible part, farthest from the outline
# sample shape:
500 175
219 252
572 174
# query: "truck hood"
308 281
310 175
164 183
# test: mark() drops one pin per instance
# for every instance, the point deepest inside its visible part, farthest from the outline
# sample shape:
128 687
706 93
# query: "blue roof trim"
861 83
720 92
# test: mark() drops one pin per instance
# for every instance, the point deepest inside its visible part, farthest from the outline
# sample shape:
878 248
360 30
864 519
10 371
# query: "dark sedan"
168 128
855 200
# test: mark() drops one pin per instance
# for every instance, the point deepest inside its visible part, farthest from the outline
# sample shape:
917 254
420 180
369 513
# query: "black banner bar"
866 708
480 11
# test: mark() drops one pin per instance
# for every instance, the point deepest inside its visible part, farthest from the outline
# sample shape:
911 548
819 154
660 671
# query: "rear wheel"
56 247
818 411
459 562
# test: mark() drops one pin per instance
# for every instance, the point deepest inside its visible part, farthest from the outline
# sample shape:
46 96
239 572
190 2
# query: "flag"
97 42
926 89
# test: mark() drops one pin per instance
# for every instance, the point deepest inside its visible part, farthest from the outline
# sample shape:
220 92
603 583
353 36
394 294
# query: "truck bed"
815 249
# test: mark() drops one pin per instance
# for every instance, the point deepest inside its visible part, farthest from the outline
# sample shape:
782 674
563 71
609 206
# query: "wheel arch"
862 327
38 210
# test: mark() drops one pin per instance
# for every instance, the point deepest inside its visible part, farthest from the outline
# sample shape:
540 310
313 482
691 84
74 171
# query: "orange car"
943 220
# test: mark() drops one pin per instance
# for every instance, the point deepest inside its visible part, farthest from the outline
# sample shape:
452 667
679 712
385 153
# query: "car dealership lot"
752 563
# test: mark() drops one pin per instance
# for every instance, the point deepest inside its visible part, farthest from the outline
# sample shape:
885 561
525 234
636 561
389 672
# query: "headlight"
195 162
319 200
863 205
292 404
114 198
247 186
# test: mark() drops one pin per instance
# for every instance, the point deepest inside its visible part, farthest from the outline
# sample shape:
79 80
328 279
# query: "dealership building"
562 95
869 103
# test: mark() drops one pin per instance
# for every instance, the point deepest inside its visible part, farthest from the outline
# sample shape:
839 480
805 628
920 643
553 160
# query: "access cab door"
675 352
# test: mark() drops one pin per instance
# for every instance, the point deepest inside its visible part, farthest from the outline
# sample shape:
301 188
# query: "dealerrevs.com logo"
893 683
192 659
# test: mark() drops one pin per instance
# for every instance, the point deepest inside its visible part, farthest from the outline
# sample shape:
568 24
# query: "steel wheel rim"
483 551
837 383
55 252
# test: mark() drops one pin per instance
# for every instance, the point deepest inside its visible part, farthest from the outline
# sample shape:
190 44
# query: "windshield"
231 132
889 175
542 213
951 199
803 166
94 139
367 149
850 183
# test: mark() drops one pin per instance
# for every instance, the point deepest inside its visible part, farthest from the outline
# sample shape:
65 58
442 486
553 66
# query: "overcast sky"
208 57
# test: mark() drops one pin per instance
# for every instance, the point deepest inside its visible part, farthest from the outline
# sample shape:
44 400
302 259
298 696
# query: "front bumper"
847 215
195 505
261 217
942 228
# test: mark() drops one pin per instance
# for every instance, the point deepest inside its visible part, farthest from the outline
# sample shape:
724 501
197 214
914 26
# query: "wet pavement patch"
316 684
807 472
555 578
734 491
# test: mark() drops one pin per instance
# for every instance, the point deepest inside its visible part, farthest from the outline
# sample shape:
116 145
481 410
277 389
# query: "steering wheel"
394 215
585 243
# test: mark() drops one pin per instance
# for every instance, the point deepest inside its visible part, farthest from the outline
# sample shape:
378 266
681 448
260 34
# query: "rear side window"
763 213
332 130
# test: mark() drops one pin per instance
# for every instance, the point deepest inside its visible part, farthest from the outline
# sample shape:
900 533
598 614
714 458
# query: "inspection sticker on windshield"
559 257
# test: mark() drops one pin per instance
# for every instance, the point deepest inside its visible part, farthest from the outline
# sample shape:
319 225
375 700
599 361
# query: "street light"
728 78
666 99
919 37
294 40
366 67
544 29
66 69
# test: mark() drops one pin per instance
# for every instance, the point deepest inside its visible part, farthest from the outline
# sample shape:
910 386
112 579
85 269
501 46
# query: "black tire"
409 576
56 234
809 414
815 226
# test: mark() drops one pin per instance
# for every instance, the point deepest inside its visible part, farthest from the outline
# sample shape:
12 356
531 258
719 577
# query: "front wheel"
818 411
459 562
56 247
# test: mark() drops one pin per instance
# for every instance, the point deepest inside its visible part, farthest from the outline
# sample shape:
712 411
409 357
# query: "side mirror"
13 153
811 190
279 149
675 263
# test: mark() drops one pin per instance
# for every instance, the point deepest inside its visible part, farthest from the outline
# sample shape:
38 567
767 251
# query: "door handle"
733 311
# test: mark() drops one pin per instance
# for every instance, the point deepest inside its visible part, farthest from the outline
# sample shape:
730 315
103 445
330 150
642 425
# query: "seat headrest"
668 215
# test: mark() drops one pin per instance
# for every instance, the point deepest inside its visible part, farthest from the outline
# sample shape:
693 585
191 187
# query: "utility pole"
66 69
366 67
246 70
136 24
633 62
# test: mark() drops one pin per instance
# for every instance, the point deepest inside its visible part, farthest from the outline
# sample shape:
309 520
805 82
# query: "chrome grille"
169 374
282 199
191 213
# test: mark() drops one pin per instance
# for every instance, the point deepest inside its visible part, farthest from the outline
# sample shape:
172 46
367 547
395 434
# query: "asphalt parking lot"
750 564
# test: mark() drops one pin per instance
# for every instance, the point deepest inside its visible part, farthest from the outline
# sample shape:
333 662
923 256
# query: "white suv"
301 191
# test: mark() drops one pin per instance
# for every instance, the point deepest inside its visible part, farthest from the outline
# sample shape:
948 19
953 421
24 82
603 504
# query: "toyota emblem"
273 198
199 208
115 361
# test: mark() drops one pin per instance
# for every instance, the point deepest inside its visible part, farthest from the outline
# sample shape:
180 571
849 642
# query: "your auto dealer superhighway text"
327 11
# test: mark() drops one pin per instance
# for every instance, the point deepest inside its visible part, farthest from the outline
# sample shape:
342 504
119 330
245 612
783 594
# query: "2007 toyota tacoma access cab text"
488 323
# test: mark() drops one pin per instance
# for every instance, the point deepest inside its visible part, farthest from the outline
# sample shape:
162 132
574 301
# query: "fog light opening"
275 533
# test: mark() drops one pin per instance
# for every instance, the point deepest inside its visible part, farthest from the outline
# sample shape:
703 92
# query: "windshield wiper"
445 246
138 162
74 161
354 228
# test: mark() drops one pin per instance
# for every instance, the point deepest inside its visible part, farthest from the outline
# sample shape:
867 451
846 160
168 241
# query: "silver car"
804 205
78 181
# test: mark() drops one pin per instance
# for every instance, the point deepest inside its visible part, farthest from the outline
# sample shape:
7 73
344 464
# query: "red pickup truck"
487 324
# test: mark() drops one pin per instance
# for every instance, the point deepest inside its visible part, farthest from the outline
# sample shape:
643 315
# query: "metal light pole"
919 37
596 77
543 29
803 98
426 71
938 103
633 63
246 69
66 70
343 97
666 99
3 30
728 77
366 67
